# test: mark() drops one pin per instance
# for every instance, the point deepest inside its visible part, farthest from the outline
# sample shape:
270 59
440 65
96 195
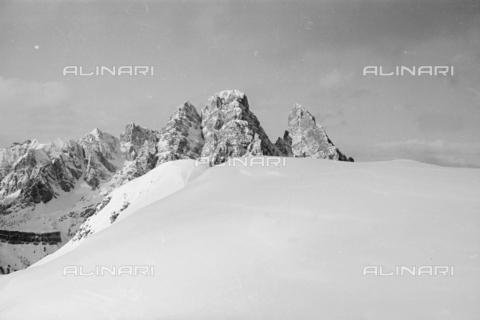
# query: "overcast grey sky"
277 52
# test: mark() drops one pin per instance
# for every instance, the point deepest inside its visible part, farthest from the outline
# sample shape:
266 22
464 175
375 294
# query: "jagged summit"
226 93
225 97
187 106
102 156
138 145
231 95
133 125
129 127
28 141
133 139
97 133
305 138
181 138
230 129
186 110
58 143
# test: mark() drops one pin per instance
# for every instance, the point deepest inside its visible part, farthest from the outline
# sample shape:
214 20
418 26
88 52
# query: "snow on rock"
8 156
181 138
138 145
230 129
134 138
56 187
38 171
44 192
276 243
102 154
159 183
304 137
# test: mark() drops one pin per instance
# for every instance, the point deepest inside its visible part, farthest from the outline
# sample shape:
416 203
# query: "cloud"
20 94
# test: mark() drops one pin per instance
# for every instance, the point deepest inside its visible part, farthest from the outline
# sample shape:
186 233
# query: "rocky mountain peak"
230 129
304 137
134 138
228 96
101 142
186 110
97 133
181 138
102 156
299 113
134 133
224 99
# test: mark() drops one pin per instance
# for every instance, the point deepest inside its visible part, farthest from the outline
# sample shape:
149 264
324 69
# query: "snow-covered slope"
275 243
162 181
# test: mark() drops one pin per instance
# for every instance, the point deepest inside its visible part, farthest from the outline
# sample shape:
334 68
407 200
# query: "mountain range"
50 193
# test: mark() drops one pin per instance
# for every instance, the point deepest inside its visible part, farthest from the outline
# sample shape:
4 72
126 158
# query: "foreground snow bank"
276 243
161 182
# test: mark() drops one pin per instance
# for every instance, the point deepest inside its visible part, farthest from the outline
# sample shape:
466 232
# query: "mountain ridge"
58 186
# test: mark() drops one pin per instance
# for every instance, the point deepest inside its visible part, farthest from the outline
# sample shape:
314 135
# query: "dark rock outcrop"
284 145
18 237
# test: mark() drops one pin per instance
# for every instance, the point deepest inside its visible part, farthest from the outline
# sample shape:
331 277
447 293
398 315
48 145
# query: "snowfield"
270 243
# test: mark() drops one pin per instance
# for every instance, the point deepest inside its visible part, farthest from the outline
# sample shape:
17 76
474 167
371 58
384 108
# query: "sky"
277 52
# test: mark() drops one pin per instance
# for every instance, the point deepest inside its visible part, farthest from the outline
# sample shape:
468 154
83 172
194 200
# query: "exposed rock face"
230 129
133 139
38 192
138 144
284 145
9 155
305 138
38 171
146 159
17 237
102 156
181 138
